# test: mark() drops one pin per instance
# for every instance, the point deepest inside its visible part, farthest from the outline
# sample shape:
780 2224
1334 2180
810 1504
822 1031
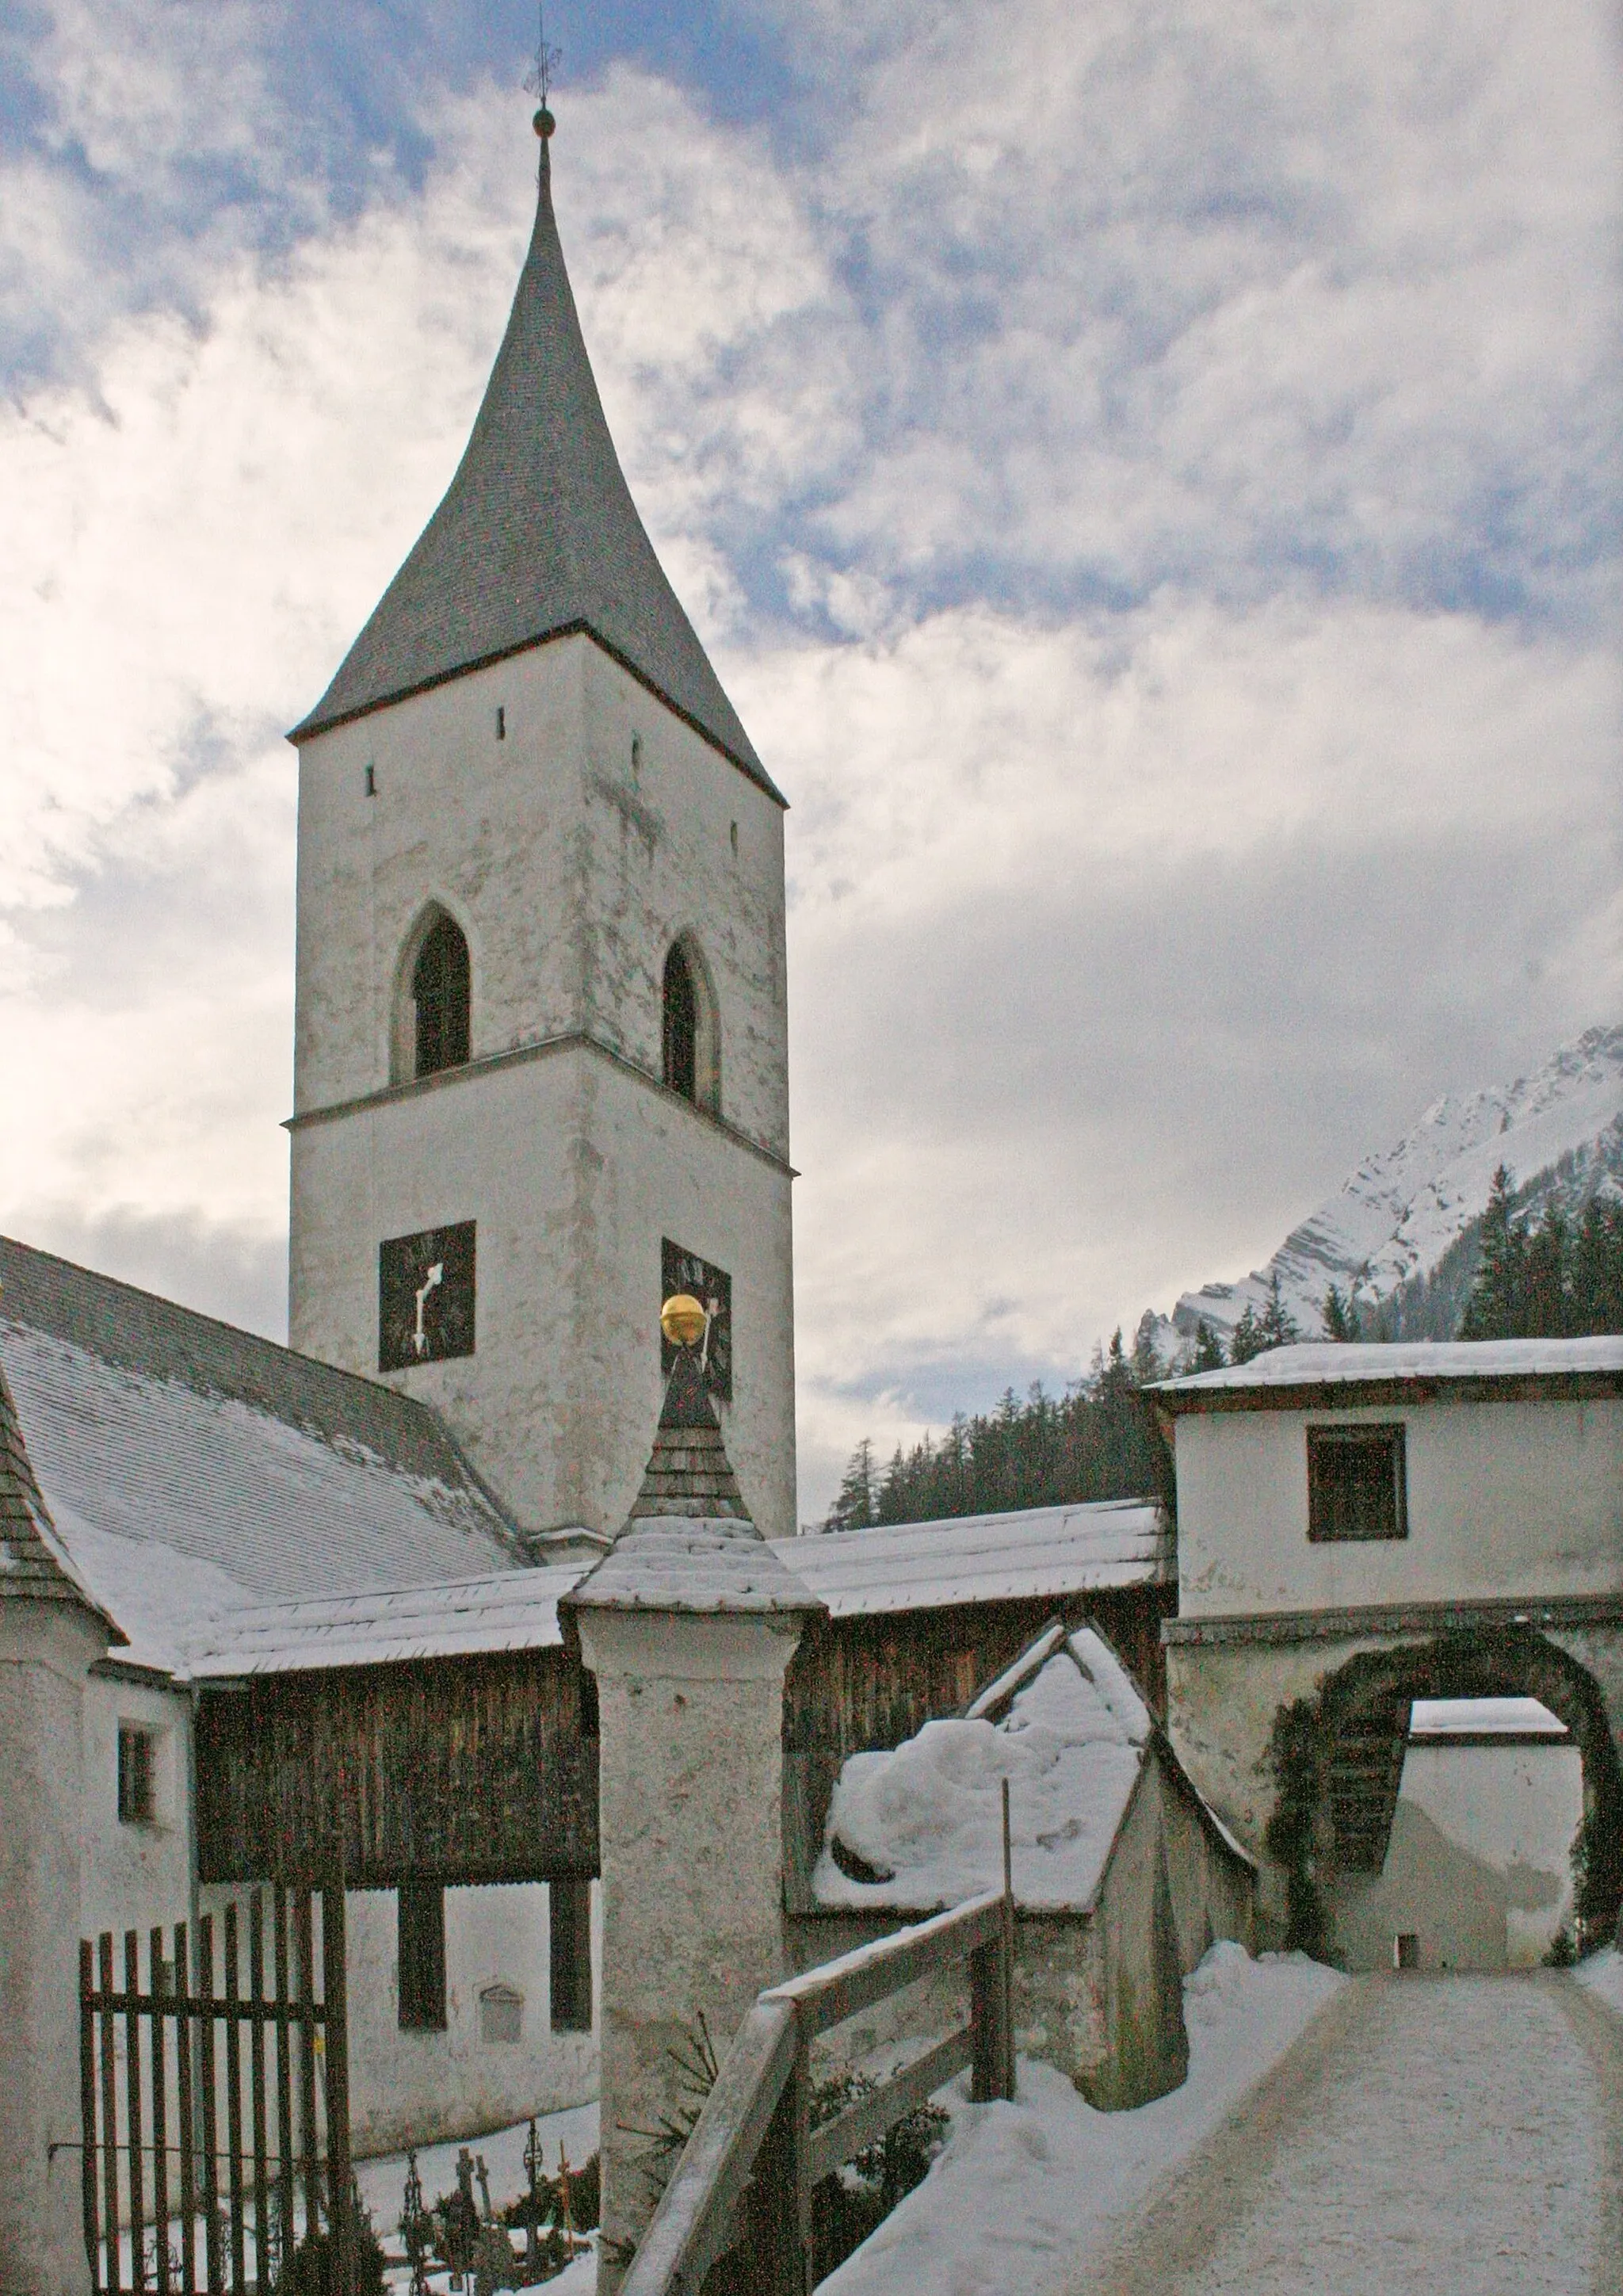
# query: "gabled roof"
538 536
1421 1370
191 1469
515 1610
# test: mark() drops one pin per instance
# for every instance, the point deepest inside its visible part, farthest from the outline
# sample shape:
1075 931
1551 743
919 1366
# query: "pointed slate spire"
538 536
34 1564
689 1544
688 1471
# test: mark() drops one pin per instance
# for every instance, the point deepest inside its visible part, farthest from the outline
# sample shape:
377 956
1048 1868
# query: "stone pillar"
690 1803
46 1650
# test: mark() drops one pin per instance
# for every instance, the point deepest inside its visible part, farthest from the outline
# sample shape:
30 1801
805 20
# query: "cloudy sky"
1148 475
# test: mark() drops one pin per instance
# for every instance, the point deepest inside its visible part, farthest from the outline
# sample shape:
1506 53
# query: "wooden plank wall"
466 1770
856 1684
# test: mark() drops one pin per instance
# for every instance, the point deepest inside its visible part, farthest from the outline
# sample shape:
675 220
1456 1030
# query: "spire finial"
539 79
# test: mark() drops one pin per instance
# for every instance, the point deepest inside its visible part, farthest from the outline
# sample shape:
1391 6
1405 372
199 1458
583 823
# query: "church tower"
540 1069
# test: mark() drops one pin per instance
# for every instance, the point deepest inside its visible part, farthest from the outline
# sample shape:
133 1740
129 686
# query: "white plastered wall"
1505 1499
572 864
457 2083
1479 1866
135 1876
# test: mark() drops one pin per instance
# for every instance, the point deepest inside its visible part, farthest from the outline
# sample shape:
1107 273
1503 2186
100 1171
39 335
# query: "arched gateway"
1362 1527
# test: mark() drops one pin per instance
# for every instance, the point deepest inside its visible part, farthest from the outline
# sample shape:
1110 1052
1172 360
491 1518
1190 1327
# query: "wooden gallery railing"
746 2176
202 2126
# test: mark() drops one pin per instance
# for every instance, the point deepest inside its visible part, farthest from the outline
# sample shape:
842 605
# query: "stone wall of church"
573 851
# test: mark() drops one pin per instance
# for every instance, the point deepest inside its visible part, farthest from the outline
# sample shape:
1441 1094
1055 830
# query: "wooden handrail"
752 2152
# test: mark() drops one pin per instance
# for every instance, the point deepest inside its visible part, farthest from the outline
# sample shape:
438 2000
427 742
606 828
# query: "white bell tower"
541 1072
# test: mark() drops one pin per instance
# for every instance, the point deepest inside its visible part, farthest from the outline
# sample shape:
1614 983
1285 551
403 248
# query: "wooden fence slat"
160 2117
828 1996
284 2083
133 2115
87 2156
110 2119
305 1949
866 2122
335 2029
233 2104
207 2103
255 2079
182 2105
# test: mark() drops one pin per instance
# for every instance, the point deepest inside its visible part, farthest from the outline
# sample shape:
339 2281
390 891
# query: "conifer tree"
1340 1315
853 1507
1492 1310
1276 1326
1208 1354
1246 1339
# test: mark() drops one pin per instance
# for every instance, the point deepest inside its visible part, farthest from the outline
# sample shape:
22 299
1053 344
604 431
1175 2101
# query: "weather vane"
539 81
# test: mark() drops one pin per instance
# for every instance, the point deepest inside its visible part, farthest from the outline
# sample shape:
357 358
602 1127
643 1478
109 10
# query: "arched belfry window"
441 999
693 1035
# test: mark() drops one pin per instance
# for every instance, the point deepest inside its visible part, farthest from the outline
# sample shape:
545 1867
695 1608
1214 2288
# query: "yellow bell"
683 1320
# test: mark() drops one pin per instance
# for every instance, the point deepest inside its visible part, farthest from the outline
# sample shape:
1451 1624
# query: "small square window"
1355 1483
137 1798
570 1919
422 1916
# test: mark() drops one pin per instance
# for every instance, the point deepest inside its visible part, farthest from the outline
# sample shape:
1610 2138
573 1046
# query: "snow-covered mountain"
1560 1131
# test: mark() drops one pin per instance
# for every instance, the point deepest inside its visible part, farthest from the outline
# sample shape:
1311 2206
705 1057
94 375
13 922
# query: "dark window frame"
569 1923
137 1774
1353 1499
419 1913
442 999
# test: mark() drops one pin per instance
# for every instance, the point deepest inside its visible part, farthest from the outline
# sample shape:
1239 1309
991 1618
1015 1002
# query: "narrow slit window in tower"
441 992
681 1025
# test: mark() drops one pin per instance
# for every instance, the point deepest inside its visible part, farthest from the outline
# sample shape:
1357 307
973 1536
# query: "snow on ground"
1602 1974
928 1815
1023 2191
1451 2141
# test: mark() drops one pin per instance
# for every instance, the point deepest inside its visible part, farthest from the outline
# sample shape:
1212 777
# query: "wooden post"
284 2084
778 2201
256 2078
1007 2089
160 2114
234 2101
110 2117
93 2235
133 2115
207 2102
309 2152
336 2027
182 2101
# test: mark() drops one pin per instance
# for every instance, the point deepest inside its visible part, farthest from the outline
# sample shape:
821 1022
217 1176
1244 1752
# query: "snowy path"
1453 2134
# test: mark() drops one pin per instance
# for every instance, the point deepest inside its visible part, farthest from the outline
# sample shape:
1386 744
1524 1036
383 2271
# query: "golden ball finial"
543 123
683 1320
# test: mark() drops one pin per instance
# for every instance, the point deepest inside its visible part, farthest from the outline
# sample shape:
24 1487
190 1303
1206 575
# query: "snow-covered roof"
191 1469
1418 1363
928 1816
1035 1553
513 1611
691 1563
1436 1718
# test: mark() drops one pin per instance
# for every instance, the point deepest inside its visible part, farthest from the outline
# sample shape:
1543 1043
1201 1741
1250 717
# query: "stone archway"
1362 1726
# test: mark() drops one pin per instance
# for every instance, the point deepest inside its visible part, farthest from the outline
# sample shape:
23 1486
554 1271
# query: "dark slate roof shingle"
189 1467
538 536
34 1564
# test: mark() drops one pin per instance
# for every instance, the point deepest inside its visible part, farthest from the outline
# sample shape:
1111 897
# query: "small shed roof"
1034 1553
922 1826
1439 1721
1287 1378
